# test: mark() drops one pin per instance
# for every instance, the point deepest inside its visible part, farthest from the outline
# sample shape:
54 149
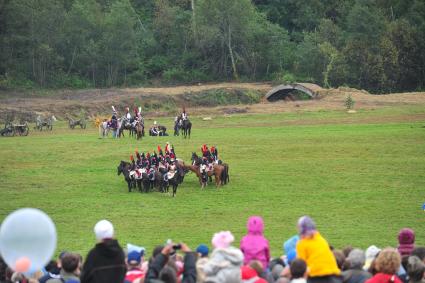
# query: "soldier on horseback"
139 161
214 154
127 114
184 115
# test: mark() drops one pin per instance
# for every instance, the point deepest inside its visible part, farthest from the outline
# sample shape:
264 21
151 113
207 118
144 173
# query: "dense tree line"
376 45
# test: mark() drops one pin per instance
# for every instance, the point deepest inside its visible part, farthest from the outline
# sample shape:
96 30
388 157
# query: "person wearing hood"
254 245
315 251
224 265
105 263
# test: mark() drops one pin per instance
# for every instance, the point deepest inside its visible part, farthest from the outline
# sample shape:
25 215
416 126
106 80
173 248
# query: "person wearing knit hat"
406 241
315 251
106 261
371 253
250 275
134 260
225 261
202 250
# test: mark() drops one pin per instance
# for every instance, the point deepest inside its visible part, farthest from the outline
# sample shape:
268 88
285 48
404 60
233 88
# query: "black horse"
177 126
186 128
124 168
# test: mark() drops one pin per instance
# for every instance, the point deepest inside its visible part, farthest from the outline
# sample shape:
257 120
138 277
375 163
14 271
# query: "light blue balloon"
28 232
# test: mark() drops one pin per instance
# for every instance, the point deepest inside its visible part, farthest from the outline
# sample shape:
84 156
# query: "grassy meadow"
360 176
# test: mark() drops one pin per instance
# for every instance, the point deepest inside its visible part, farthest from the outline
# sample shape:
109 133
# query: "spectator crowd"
308 257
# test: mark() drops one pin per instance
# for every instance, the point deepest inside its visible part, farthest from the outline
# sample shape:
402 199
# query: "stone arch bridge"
281 91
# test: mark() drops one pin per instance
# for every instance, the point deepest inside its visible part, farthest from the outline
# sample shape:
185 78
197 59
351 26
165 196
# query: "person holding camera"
158 272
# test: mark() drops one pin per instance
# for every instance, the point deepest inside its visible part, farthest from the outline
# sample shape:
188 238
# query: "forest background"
377 45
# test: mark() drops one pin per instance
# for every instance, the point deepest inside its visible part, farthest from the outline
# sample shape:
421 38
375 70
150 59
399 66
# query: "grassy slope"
361 182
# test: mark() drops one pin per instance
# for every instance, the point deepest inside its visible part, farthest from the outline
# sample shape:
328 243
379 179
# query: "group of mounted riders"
159 170
210 165
135 124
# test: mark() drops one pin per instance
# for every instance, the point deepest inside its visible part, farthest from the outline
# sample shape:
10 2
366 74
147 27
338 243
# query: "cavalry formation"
135 125
149 171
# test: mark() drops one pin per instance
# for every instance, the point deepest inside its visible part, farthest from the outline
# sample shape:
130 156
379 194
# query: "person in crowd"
315 251
298 270
250 275
371 254
420 253
355 274
387 264
225 263
340 259
406 241
159 271
258 267
202 251
70 270
134 265
105 263
254 245
54 271
415 270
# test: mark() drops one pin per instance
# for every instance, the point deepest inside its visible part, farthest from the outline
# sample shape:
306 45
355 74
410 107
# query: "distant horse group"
136 128
147 180
220 171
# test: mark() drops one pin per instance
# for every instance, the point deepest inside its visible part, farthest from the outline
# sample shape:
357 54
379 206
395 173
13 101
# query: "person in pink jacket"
254 245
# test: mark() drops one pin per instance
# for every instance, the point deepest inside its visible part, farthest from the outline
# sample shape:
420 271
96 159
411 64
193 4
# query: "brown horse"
139 130
219 172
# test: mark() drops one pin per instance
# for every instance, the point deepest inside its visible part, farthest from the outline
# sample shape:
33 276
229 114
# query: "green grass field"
361 180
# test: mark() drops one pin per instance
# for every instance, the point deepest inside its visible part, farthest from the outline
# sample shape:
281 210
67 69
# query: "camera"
177 247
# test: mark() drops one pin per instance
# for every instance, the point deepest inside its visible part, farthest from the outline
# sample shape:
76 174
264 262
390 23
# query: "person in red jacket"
387 263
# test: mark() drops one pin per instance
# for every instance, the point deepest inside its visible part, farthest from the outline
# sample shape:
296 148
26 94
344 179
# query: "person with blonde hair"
387 264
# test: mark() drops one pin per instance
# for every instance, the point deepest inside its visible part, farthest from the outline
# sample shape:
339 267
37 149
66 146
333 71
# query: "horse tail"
189 128
226 174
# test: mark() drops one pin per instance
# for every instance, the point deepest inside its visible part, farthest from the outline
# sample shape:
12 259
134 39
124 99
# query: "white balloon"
28 233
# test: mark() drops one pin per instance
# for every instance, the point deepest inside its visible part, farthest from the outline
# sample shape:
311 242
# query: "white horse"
104 129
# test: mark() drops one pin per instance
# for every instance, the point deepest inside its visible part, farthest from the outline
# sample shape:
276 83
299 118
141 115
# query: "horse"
186 127
125 125
139 130
124 168
73 123
177 126
219 171
44 122
104 129
174 182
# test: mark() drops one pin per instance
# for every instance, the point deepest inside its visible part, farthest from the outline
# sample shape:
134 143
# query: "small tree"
349 102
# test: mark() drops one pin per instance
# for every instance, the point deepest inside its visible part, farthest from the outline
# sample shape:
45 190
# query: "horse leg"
129 185
174 189
217 179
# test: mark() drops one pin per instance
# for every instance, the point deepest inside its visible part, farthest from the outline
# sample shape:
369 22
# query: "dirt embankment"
209 99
